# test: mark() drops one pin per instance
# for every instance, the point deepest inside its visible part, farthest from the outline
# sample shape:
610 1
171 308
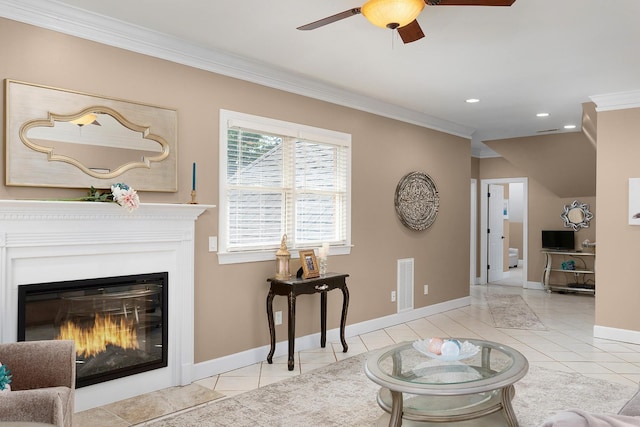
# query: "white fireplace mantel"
47 241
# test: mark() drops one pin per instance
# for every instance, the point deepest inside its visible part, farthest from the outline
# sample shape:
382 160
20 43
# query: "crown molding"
617 101
63 18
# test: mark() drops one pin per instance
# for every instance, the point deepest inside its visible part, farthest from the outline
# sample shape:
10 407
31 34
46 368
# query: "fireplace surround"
46 241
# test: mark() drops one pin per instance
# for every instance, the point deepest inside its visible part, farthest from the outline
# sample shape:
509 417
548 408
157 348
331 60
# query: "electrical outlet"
393 296
278 318
426 289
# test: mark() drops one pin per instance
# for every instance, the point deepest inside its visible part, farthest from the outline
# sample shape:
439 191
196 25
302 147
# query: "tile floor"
567 345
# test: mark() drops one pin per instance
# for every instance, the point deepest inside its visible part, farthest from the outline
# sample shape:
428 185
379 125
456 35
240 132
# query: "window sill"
257 256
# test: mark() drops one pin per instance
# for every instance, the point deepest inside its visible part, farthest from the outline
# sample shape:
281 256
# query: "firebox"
119 324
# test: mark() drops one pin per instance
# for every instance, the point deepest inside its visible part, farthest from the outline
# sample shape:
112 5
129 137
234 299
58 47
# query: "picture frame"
634 201
309 264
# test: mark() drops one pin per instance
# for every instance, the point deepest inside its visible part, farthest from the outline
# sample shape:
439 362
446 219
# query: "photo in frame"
309 264
634 201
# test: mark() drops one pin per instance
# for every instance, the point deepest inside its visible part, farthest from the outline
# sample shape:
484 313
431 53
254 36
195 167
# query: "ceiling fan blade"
470 2
330 19
411 32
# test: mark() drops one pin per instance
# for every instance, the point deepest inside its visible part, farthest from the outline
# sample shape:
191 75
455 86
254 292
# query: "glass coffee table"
422 390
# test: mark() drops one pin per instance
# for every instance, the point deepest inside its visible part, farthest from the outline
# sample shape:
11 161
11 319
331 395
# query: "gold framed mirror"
62 138
576 215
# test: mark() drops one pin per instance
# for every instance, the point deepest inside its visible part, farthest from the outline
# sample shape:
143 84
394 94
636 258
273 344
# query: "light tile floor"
566 345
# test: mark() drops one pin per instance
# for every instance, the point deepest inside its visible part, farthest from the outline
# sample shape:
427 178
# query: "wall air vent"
405 284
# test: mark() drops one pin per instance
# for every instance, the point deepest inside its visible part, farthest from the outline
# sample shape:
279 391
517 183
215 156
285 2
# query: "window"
281 178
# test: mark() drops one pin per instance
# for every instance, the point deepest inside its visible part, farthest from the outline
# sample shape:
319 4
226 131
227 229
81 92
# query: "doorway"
485 222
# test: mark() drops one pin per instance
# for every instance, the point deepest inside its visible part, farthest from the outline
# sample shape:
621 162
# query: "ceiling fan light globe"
392 13
87 119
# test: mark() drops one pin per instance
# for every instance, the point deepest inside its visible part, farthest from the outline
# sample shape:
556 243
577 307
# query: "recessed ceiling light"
472 100
569 126
542 115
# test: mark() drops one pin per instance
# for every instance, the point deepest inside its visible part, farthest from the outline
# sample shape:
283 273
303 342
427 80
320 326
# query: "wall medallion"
417 201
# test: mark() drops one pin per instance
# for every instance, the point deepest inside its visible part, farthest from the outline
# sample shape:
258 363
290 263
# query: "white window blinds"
282 178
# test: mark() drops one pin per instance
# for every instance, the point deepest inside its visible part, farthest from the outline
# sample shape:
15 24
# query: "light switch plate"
213 243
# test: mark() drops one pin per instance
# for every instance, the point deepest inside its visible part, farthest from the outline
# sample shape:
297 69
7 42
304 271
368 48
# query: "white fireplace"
45 241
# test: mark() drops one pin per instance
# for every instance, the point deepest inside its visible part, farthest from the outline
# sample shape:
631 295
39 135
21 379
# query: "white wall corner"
616 101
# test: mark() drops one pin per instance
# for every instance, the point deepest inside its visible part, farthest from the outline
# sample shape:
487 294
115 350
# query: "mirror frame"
587 216
31 105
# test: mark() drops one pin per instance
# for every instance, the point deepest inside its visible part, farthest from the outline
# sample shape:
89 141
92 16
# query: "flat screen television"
560 240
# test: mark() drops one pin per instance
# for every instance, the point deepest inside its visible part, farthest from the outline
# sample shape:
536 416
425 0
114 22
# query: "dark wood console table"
297 286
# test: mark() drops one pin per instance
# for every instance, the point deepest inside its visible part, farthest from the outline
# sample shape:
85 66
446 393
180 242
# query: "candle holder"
323 265
193 198
282 260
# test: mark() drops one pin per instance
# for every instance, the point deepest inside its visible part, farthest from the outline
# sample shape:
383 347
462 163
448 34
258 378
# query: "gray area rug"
341 395
512 312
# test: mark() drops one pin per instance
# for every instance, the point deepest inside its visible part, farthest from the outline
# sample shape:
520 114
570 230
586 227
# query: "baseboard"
615 334
534 285
249 357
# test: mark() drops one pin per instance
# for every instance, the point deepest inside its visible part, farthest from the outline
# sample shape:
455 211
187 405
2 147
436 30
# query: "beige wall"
230 299
618 242
543 213
475 174
515 236
564 163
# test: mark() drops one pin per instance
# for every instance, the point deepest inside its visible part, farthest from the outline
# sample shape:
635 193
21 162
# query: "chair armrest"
41 406
632 407
38 364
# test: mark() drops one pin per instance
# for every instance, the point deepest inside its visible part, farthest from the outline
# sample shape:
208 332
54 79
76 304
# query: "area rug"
341 395
512 312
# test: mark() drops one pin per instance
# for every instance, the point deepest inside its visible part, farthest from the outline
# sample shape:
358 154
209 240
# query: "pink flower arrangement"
125 196
121 194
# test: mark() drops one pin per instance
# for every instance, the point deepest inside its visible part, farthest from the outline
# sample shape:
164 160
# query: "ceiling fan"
399 14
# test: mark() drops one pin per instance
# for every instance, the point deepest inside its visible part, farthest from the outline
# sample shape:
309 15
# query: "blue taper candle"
193 179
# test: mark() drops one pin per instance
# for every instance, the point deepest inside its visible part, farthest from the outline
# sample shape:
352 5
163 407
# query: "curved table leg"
507 394
343 319
292 329
272 327
396 409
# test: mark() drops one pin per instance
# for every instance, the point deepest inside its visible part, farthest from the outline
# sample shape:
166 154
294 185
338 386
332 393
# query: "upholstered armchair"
42 383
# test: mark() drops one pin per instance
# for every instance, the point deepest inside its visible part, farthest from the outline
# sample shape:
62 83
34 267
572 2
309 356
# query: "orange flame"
105 331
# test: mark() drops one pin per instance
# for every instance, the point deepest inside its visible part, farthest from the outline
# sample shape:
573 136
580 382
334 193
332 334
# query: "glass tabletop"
403 368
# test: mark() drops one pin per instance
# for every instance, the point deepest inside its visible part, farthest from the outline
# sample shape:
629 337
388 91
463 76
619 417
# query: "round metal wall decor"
576 215
417 201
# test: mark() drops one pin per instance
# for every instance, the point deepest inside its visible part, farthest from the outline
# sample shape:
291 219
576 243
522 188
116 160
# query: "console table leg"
323 319
292 329
396 409
272 327
343 319
506 396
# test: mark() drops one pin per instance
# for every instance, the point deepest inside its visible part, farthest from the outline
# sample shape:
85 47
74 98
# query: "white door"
474 228
495 235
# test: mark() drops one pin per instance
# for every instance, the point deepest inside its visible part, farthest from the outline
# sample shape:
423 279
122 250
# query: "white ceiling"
535 56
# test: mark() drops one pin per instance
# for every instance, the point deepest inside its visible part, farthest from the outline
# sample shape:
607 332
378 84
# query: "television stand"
569 271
